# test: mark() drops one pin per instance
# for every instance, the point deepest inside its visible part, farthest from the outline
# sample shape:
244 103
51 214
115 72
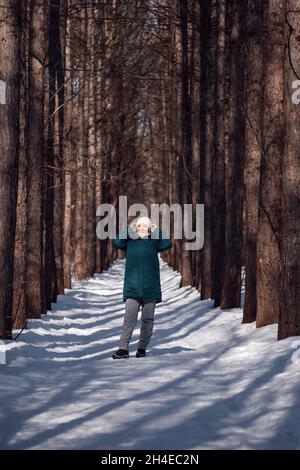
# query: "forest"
164 101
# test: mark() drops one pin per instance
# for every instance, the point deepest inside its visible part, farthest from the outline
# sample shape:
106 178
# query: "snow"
208 382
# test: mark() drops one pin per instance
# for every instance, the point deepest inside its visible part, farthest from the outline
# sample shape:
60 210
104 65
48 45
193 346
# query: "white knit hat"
144 221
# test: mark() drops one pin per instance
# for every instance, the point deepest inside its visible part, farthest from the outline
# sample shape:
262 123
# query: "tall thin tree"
10 37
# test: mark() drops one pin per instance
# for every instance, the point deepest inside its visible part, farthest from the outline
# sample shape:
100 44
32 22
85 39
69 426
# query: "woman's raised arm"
121 240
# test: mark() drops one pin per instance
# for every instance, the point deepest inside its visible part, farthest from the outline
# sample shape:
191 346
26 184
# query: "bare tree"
289 308
10 42
38 45
234 160
253 147
268 237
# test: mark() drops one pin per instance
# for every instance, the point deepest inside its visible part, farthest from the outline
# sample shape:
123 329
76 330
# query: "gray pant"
132 306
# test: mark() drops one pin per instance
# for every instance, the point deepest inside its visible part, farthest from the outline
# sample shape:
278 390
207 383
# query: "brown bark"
186 145
80 185
208 57
90 217
218 172
60 27
50 162
195 126
234 162
35 154
68 155
253 146
19 295
10 16
268 260
289 308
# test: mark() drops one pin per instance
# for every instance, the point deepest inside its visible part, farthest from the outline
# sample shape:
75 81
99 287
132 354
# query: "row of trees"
182 101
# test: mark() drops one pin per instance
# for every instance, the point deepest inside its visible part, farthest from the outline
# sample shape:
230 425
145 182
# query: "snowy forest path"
205 382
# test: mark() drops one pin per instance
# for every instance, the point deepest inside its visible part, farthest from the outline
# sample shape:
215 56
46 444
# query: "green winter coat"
142 274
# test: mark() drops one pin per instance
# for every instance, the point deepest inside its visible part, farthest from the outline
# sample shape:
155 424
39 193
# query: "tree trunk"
35 154
10 48
19 295
289 313
195 118
234 163
49 165
68 160
269 221
208 58
253 146
218 174
80 186
59 42
186 144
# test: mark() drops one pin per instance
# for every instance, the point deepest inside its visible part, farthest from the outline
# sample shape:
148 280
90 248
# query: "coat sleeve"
163 243
120 242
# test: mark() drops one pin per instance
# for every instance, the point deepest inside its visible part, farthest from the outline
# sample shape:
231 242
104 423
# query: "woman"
141 282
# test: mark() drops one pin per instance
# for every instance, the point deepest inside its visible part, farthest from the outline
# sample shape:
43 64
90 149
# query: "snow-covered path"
208 381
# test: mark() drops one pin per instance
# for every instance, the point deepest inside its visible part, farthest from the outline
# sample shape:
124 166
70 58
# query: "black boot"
120 354
140 353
